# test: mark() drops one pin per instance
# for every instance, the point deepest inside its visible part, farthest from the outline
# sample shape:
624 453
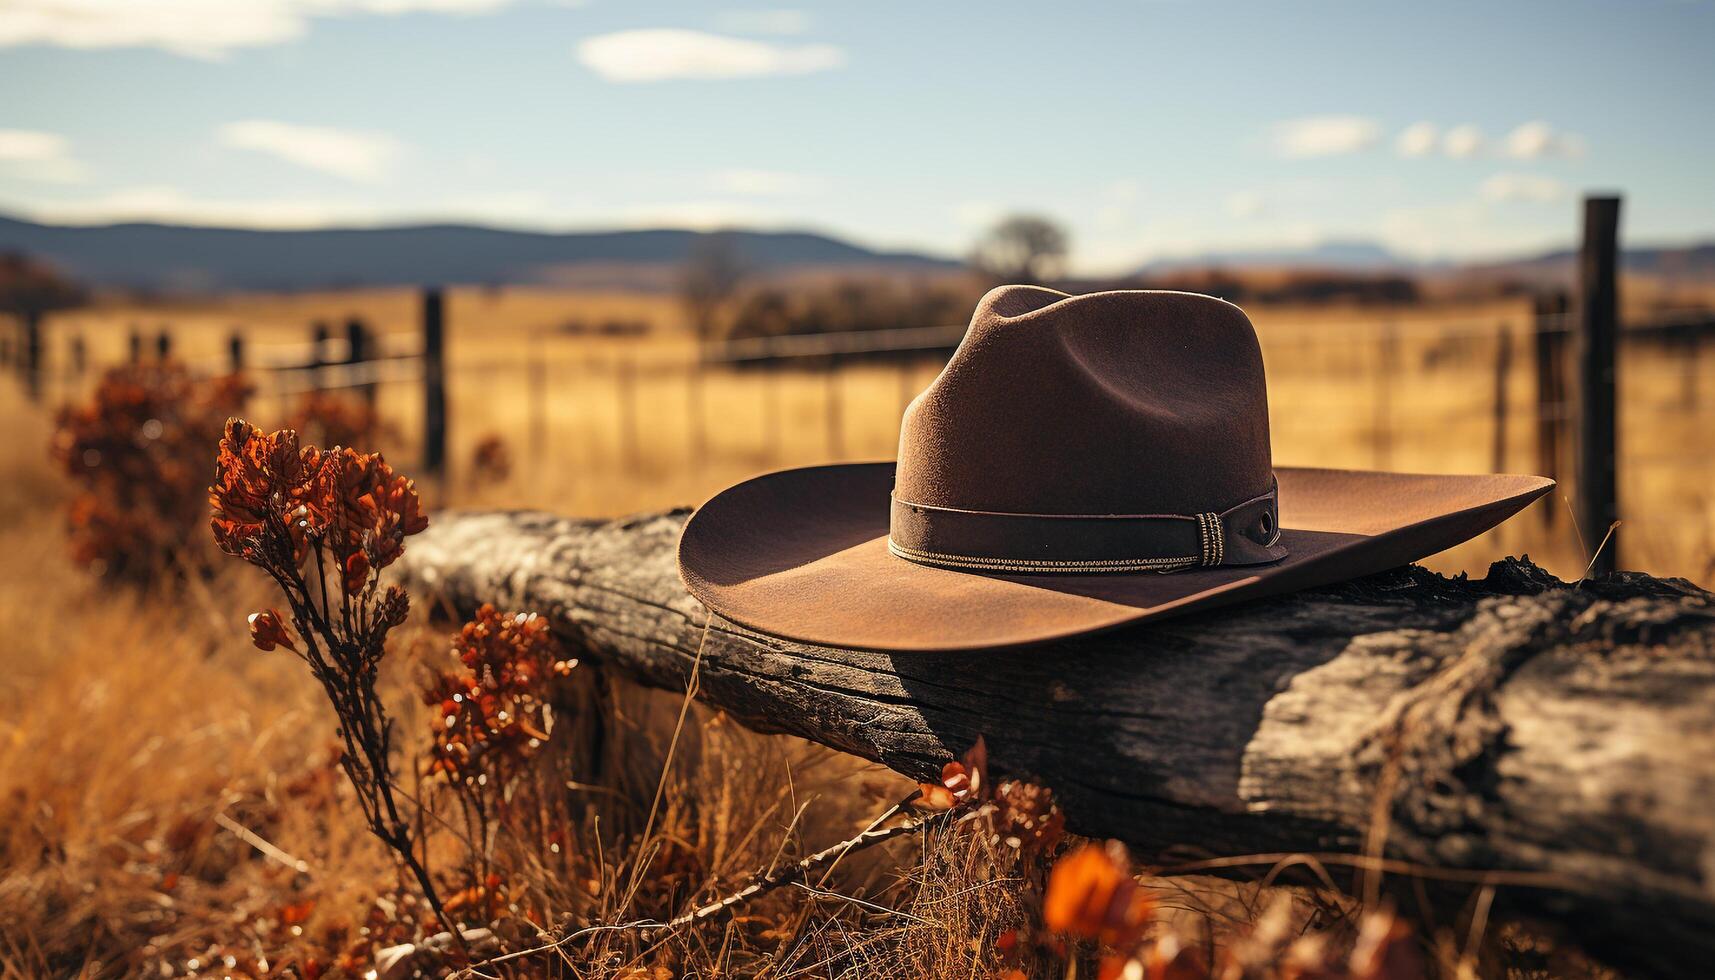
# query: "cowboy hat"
1082 463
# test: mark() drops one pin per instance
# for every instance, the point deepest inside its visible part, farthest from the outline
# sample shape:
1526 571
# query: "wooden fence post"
835 409
536 380
1386 374
1503 378
771 408
235 351
434 383
163 344
79 356
32 360
358 353
134 346
1597 340
318 355
625 381
694 413
1552 410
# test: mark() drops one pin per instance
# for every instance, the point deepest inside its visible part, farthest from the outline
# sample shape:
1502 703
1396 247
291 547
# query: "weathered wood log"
1558 740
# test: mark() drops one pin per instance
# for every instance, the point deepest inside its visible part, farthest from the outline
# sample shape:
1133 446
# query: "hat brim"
802 554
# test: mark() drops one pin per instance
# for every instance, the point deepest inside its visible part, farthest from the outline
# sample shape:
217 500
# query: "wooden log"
1555 740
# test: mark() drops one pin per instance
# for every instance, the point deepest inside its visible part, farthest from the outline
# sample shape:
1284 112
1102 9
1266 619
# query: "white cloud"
659 54
1537 139
1246 204
781 22
194 28
977 215
1463 142
173 205
1320 136
37 155
698 215
765 183
1534 188
1418 139
354 155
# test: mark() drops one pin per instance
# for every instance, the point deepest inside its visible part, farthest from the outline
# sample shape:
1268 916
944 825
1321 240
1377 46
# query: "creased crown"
1123 402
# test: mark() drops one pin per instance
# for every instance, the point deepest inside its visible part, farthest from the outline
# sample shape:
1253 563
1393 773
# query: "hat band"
984 541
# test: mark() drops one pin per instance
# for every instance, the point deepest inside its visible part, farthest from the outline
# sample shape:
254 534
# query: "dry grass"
149 748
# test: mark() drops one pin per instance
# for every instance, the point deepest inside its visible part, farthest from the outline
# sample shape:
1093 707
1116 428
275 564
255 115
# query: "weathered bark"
1561 736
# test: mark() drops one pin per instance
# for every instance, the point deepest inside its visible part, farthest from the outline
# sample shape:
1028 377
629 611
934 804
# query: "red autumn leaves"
273 500
494 709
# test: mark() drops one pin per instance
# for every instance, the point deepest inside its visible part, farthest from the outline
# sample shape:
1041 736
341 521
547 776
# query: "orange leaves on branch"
1092 894
268 632
963 781
494 709
275 503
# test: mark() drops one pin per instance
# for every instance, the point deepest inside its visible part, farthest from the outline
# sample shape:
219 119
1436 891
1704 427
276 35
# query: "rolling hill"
172 258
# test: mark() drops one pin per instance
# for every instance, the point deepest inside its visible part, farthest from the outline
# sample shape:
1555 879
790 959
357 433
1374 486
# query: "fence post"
79 356
434 383
235 351
835 409
1503 378
771 409
318 356
694 412
33 353
358 352
536 367
1597 341
134 346
163 344
1551 404
625 380
1382 424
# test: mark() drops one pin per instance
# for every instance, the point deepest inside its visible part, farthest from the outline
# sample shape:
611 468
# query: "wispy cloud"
1529 141
1321 136
1537 139
209 29
354 155
1463 142
174 205
1534 188
1419 139
37 155
766 183
660 54
781 22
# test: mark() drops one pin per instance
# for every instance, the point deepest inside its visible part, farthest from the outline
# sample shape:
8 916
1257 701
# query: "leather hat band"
982 541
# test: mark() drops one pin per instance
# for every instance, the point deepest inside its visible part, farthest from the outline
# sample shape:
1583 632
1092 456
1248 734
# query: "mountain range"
162 257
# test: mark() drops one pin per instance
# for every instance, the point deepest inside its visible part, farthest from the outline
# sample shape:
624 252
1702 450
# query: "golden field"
149 746
599 424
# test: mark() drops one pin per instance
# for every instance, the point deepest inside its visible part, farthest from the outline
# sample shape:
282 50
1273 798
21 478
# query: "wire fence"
1416 392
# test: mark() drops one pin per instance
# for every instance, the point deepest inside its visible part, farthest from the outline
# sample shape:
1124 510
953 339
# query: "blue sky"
1149 128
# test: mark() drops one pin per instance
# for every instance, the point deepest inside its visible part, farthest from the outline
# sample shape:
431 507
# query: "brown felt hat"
1082 463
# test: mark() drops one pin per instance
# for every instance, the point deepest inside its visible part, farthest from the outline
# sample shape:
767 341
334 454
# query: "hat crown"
1122 402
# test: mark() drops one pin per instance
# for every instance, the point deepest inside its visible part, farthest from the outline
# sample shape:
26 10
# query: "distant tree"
712 274
29 287
1022 248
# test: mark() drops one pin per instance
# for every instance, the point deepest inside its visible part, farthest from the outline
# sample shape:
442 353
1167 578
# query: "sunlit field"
600 419
170 803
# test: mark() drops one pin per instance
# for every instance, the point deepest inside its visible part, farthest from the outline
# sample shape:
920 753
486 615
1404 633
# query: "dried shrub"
138 454
324 525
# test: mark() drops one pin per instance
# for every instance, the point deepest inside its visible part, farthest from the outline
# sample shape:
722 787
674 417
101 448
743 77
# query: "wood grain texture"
1514 725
